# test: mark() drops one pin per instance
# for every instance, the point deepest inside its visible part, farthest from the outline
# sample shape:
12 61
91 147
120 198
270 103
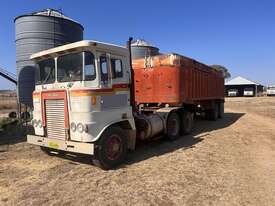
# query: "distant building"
240 87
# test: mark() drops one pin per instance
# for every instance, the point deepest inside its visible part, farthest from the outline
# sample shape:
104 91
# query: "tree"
222 69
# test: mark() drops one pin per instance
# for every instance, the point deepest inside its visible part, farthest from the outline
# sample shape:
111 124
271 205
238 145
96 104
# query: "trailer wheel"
221 110
173 126
111 149
187 122
213 114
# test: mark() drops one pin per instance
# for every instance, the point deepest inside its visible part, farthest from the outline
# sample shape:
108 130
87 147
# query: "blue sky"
239 34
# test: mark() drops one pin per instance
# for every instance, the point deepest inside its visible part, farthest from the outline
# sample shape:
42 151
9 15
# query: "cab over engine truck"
91 98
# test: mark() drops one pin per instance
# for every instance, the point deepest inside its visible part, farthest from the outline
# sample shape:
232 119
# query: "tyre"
221 110
111 148
213 113
187 122
173 126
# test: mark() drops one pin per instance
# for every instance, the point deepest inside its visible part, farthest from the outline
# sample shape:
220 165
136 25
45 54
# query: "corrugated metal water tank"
36 32
141 49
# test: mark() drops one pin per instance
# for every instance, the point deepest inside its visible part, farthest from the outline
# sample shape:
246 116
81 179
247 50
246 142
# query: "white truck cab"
82 93
270 90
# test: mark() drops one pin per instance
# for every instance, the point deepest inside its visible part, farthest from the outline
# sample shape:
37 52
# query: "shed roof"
240 81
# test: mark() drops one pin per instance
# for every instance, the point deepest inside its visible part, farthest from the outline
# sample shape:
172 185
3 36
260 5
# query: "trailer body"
176 80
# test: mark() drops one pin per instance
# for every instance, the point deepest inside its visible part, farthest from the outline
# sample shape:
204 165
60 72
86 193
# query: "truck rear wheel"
221 110
173 126
187 122
213 113
111 149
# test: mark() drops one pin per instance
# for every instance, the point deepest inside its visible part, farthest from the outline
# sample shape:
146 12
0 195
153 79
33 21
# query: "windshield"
248 89
69 67
45 72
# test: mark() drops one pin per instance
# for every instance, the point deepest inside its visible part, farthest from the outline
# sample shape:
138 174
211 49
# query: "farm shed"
240 87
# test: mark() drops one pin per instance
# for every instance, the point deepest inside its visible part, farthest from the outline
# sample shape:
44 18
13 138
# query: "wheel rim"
173 126
113 147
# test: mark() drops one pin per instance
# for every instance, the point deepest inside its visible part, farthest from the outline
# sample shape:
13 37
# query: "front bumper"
69 146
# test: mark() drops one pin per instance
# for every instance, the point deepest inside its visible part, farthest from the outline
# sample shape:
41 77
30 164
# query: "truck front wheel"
111 149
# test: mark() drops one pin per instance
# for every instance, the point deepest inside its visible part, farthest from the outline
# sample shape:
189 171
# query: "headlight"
73 126
80 127
39 123
34 123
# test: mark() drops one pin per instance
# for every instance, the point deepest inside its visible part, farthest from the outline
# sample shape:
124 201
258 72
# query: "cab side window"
117 70
104 68
89 66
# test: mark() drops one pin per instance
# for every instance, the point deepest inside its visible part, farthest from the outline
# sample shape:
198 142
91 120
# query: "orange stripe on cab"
100 92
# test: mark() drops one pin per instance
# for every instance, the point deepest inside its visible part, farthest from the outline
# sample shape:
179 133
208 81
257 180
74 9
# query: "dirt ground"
228 162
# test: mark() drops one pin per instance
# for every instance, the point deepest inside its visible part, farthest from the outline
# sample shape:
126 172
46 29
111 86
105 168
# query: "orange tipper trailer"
176 80
91 98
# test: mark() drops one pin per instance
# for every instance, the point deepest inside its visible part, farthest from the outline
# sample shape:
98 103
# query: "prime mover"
92 98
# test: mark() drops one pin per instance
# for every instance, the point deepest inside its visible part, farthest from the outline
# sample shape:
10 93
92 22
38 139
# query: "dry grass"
8 105
7 101
227 162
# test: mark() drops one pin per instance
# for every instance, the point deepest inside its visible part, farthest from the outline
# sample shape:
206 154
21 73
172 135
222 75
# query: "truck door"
120 80
115 86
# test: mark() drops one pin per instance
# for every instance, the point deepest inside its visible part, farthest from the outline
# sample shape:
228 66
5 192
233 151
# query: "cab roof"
79 46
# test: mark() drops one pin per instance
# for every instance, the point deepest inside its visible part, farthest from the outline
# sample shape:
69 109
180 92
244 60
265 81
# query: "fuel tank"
149 125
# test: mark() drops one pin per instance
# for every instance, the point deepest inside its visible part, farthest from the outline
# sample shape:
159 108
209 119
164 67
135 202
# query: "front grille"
55 118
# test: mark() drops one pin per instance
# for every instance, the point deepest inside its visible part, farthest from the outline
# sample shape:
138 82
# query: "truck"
92 98
270 90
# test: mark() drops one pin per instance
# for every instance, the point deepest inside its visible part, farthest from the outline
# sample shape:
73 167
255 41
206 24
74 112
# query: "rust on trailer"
175 79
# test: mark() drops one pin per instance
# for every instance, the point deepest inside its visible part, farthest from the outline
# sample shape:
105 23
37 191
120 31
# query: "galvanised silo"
36 32
141 49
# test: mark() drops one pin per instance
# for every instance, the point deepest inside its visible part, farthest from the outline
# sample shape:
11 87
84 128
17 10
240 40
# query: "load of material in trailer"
176 80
